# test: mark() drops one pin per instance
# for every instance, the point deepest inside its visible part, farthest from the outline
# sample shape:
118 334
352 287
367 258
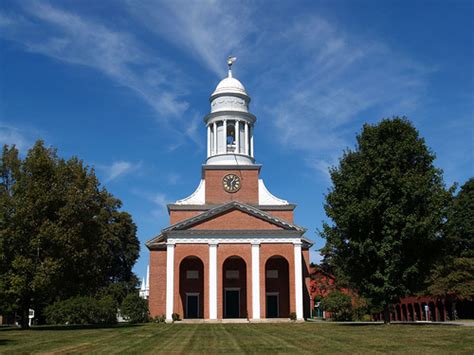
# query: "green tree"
339 304
134 308
460 226
453 276
61 234
387 204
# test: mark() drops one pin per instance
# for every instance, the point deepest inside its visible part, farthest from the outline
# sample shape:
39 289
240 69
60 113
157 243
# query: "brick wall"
157 297
236 219
215 194
180 215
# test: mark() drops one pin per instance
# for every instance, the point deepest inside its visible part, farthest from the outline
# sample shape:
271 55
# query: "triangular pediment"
234 216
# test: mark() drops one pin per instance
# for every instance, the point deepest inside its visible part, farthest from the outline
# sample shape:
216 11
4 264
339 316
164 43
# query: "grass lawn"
270 338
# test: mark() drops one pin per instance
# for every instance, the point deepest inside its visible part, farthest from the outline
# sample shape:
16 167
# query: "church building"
232 249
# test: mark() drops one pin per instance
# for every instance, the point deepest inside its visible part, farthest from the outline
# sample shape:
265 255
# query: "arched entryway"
234 290
191 287
277 288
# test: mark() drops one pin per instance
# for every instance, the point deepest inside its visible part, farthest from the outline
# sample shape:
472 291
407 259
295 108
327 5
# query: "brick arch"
182 251
235 263
190 285
279 267
224 251
286 250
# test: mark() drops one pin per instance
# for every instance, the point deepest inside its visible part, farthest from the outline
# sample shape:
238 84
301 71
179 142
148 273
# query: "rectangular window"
192 274
272 274
232 274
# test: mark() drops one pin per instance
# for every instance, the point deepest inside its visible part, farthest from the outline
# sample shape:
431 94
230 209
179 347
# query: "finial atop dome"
230 61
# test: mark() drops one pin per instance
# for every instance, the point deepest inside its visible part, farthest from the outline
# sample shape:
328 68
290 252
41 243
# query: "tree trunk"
24 316
386 314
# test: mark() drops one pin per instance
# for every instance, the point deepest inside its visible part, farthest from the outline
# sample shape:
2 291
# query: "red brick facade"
248 193
231 250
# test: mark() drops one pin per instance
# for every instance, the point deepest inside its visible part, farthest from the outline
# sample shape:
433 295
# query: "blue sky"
124 85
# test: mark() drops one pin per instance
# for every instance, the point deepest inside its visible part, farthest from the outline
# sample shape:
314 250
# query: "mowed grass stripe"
241 338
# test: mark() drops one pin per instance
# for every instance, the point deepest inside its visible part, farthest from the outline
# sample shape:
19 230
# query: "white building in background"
145 287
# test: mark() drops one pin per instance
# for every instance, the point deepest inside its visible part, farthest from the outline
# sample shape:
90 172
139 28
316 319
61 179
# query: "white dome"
230 85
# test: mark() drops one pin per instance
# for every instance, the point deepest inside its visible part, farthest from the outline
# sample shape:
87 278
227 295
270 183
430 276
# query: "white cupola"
230 124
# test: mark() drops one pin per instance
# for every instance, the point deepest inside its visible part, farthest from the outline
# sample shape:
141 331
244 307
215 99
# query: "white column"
225 136
169 281
246 139
214 125
237 137
298 281
256 280
212 280
251 141
208 141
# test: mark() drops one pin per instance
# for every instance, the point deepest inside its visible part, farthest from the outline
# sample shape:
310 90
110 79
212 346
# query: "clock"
231 183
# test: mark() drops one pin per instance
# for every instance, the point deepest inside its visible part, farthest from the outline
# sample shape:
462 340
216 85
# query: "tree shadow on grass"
363 324
6 342
74 327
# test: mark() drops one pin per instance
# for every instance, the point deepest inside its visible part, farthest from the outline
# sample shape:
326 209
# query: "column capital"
255 243
170 244
213 244
299 243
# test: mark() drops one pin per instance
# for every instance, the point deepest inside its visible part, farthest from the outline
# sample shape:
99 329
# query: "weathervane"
230 61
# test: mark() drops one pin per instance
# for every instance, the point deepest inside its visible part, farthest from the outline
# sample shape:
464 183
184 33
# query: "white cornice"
235 240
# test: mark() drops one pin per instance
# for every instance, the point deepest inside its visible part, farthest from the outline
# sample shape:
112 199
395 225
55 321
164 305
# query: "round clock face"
231 183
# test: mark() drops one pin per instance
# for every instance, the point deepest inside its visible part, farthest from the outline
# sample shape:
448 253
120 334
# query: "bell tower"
230 124
230 172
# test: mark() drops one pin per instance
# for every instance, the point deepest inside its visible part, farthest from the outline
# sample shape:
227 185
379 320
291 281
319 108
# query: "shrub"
134 308
159 319
339 304
175 317
359 309
82 310
293 316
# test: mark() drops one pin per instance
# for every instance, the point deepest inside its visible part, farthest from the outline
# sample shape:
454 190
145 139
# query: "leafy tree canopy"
387 204
134 308
453 276
61 234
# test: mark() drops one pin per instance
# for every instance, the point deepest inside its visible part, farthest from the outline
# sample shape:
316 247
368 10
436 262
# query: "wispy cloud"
158 199
116 53
341 81
22 138
208 29
119 169
172 178
313 82
316 82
